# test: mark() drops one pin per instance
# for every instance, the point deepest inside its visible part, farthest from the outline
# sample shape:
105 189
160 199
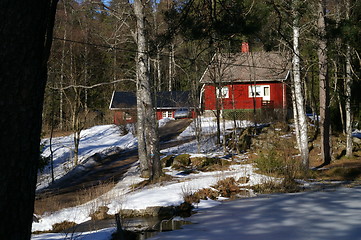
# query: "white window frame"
259 90
222 92
127 116
166 114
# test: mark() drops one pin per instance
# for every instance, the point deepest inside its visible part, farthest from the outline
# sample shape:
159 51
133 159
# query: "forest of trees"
147 46
96 47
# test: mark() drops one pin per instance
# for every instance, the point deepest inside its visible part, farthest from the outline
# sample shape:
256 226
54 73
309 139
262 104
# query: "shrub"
270 163
59 227
285 186
227 187
205 193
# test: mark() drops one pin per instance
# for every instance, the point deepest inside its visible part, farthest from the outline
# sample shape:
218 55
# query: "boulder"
181 161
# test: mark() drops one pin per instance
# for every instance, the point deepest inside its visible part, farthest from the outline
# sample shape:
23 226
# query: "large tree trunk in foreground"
23 55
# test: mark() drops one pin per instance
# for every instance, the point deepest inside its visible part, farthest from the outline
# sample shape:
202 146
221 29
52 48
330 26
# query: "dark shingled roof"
165 100
174 99
123 100
246 67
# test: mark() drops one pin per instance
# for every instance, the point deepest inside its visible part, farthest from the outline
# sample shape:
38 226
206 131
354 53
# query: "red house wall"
119 118
240 94
160 113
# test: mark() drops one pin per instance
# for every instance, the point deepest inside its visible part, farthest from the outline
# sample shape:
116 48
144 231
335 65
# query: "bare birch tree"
147 132
348 84
298 98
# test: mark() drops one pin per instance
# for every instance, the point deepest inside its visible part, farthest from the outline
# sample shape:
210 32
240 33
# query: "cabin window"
127 116
166 114
254 91
222 92
259 91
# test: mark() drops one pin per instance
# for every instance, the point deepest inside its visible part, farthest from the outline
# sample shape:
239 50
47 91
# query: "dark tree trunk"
325 125
23 53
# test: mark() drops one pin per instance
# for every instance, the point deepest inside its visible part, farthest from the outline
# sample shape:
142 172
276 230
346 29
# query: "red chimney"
245 47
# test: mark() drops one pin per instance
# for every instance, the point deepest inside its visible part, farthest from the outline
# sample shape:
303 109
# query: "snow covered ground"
274 216
99 139
327 215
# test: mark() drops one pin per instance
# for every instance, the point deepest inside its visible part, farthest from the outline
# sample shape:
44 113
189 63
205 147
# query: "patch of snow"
209 126
357 133
308 215
164 121
101 140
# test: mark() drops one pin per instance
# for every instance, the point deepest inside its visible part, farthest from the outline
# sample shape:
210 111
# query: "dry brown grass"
59 227
53 202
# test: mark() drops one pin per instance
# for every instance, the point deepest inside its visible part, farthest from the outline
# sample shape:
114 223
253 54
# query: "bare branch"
93 86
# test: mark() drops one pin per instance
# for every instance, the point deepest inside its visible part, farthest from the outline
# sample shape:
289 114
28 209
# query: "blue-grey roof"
165 100
123 100
174 99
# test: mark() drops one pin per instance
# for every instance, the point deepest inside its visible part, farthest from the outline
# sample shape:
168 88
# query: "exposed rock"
181 161
201 162
167 161
356 140
243 139
155 211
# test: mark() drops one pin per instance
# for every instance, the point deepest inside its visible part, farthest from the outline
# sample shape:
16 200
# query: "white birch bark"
298 93
348 84
146 127
295 116
171 67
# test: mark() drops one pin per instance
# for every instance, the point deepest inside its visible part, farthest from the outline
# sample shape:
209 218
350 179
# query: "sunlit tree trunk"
171 67
348 84
300 117
147 125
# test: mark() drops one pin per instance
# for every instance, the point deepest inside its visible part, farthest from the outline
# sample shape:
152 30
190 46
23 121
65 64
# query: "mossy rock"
167 161
201 162
181 161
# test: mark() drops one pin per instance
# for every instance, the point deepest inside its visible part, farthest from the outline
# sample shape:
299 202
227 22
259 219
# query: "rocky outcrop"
157 211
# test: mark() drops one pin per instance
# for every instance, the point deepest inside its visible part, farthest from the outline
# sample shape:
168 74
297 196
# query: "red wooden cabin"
246 81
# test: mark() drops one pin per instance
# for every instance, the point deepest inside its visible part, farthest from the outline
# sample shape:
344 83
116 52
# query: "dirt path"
95 181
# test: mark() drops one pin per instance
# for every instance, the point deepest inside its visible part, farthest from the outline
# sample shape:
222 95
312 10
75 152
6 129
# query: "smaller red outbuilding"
124 105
